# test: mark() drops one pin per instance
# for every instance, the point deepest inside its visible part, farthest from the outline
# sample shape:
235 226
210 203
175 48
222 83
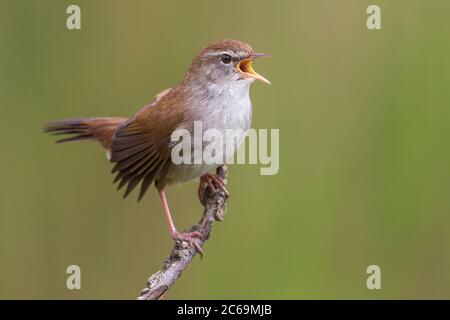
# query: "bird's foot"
214 182
188 237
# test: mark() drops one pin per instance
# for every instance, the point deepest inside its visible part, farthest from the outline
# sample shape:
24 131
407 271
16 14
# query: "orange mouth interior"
245 66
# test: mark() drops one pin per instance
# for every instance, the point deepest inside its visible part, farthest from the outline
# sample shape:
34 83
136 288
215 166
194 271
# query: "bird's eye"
225 58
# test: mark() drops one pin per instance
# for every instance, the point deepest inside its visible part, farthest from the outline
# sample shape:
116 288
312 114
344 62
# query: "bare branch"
183 253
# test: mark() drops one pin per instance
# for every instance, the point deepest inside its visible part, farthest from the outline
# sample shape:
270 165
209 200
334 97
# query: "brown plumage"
213 91
86 129
139 148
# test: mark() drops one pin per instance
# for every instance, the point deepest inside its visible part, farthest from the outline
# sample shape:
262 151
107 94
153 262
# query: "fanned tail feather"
85 129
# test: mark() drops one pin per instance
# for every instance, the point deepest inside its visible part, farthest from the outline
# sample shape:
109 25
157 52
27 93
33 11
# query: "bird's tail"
85 129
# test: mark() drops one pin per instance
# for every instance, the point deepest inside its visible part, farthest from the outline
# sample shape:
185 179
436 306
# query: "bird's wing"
141 146
162 94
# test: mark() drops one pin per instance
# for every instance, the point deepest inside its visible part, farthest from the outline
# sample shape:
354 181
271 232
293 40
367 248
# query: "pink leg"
174 234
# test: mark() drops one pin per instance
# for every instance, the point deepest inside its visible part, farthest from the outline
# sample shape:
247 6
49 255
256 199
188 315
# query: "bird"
214 91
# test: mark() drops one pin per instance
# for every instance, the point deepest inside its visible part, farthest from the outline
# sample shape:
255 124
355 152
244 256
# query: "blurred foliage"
364 133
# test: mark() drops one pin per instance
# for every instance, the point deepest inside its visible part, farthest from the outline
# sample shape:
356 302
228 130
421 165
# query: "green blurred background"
364 150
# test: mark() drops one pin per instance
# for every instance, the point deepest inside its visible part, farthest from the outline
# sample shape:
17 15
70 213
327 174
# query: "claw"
214 182
189 237
186 236
218 180
198 248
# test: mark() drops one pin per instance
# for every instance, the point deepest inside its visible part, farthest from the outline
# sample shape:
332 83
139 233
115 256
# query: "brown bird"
214 91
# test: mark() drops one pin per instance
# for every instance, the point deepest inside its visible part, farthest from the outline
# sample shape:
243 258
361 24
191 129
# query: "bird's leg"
174 234
214 182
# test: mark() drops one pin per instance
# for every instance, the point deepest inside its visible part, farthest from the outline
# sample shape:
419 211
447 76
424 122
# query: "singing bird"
215 91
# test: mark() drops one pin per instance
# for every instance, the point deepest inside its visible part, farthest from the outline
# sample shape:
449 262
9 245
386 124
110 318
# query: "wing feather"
141 146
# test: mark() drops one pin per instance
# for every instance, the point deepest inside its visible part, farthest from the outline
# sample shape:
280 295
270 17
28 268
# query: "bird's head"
227 61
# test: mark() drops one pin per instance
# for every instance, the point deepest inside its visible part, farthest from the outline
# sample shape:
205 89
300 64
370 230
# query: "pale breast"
227 112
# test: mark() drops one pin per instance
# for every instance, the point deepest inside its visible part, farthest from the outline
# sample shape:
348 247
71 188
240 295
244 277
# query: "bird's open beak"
245 67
